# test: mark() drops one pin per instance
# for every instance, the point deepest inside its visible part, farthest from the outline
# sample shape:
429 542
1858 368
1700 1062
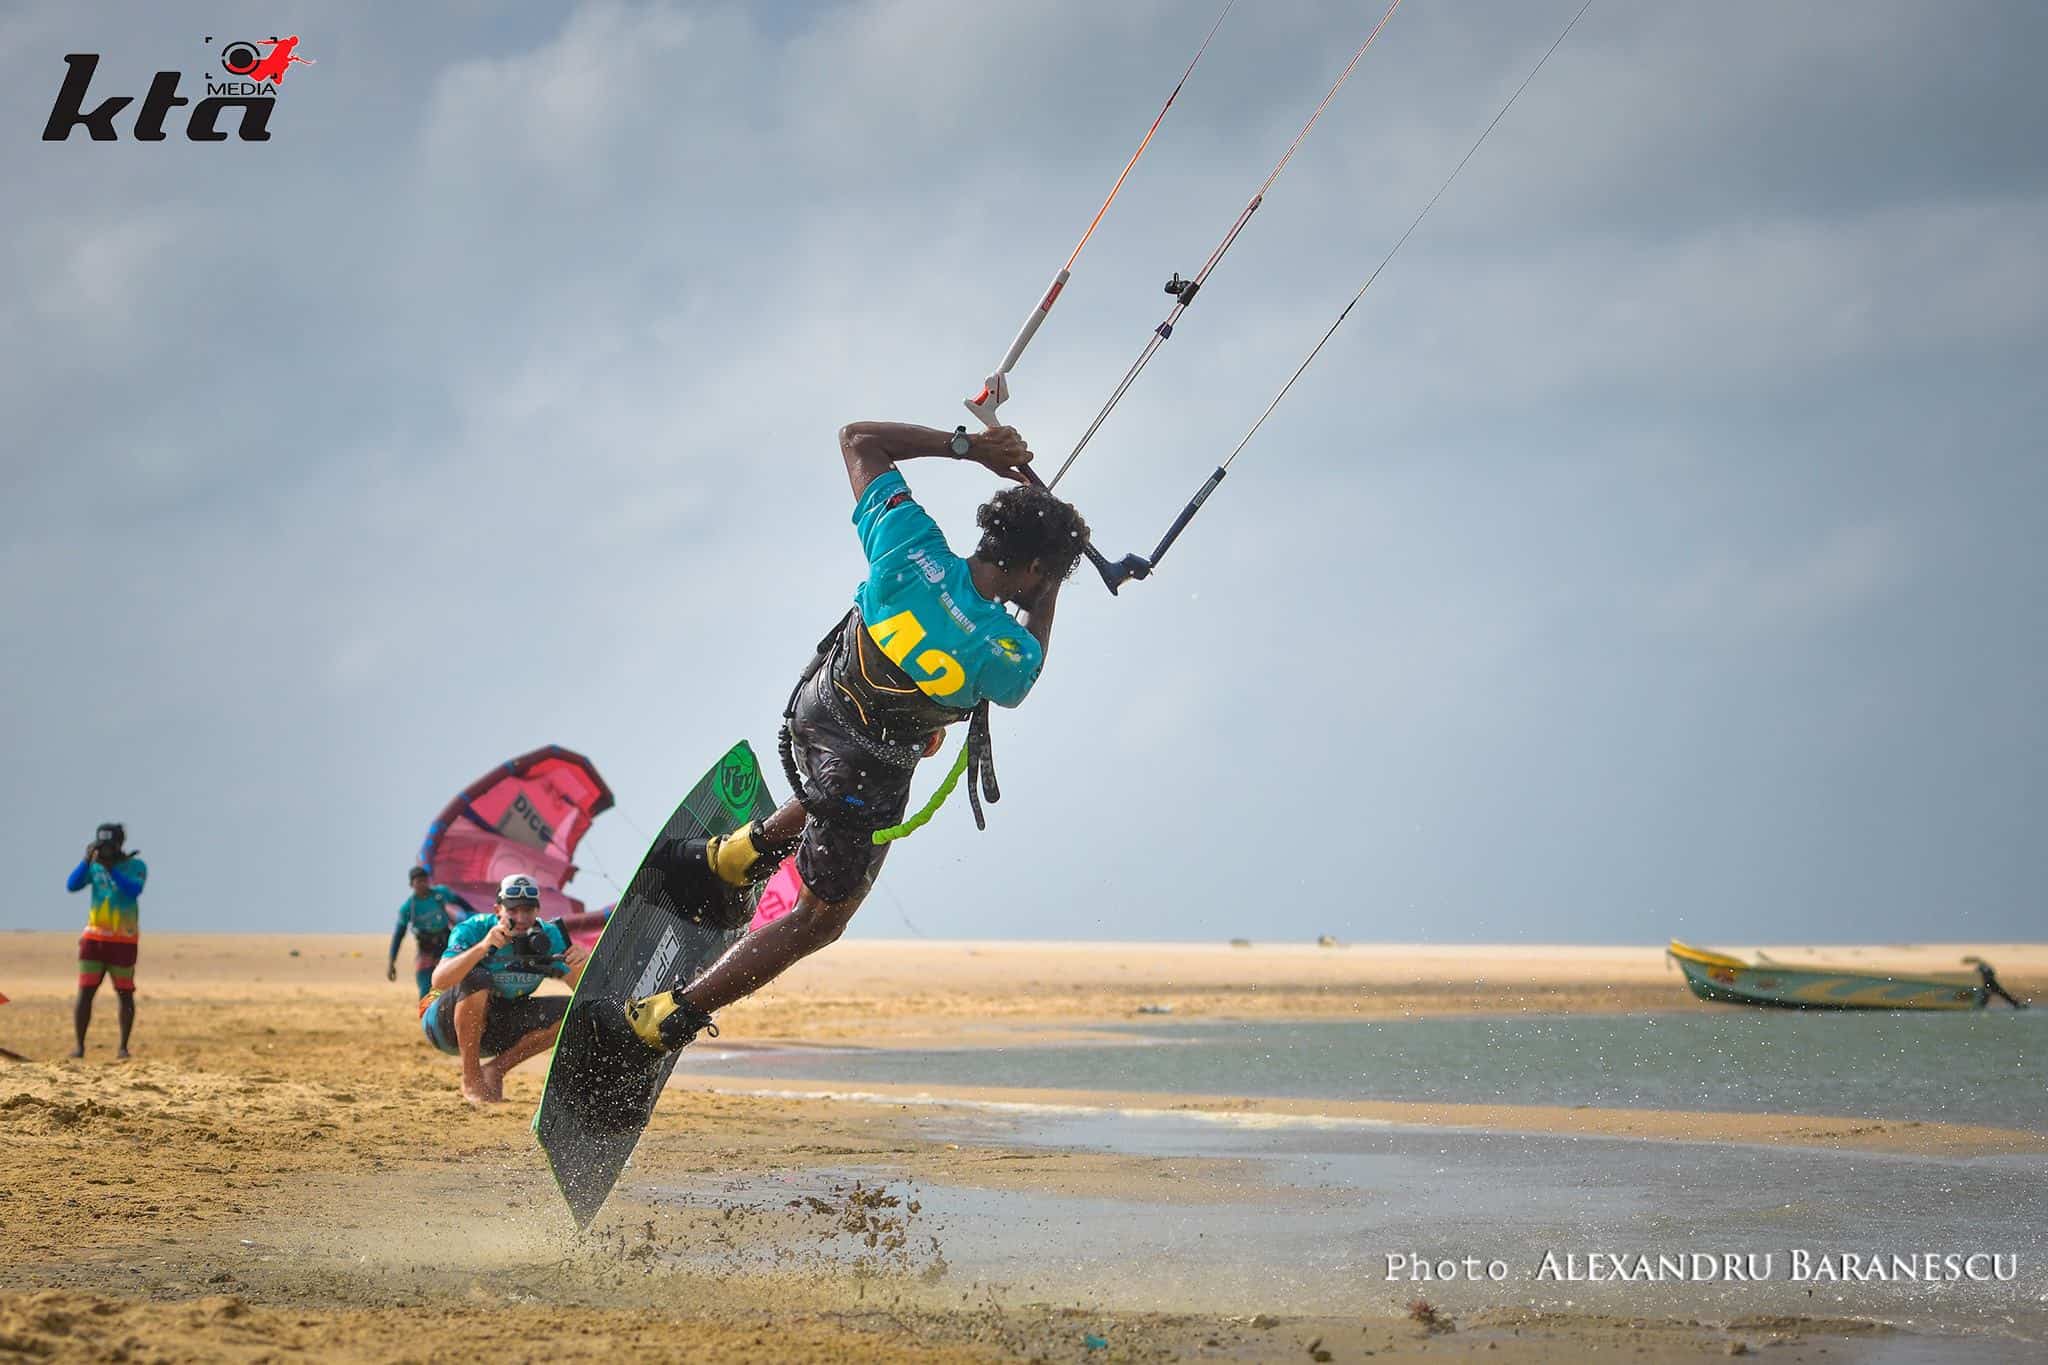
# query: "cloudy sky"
1657 550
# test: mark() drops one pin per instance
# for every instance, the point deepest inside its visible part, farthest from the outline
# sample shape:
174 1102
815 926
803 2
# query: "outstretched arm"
871 449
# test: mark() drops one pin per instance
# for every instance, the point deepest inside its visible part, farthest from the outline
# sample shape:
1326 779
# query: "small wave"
1229 1118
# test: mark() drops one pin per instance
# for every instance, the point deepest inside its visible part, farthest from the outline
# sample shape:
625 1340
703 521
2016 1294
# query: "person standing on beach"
425 913
112 928
930 641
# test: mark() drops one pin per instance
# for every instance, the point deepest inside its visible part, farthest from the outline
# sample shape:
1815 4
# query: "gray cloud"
1656 550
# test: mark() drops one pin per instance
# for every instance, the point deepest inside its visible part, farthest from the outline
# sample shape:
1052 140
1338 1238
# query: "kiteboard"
603 1081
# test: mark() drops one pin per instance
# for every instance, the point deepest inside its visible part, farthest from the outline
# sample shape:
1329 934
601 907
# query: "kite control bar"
1115 575
1129 567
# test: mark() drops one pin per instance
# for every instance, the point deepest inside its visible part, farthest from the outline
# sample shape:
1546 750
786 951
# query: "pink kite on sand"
778 898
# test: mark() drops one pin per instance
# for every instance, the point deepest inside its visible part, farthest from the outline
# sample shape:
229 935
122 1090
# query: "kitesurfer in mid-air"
928 642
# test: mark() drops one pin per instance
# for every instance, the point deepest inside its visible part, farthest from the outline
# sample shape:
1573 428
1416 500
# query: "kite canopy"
778 897
524 816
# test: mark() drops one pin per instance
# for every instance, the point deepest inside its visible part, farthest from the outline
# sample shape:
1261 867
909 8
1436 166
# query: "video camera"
533 951
533 943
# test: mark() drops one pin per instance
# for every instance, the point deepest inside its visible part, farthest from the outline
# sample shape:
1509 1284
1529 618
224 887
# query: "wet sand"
286 1165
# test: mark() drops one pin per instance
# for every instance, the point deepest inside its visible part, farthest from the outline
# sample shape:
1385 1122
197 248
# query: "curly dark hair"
1022 524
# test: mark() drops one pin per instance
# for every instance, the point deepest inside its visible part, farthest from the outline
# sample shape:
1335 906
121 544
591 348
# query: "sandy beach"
285 1165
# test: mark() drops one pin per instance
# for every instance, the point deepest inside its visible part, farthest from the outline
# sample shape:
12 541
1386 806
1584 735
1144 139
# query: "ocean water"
1332 1216
1341 1221
1987 1067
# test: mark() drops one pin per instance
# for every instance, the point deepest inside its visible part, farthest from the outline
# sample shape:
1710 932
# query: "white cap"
518 888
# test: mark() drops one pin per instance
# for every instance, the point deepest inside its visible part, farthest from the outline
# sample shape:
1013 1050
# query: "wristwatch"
960 444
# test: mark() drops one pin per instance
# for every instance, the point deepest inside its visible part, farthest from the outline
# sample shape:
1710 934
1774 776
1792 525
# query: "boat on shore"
1783 985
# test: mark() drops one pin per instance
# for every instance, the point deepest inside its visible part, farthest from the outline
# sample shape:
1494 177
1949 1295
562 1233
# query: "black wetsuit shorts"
505 1021
854 792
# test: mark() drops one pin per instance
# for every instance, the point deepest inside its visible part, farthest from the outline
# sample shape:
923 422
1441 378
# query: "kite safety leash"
977 760
996 388
1133 566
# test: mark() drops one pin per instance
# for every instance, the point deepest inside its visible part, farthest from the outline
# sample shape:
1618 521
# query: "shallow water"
1989 1067
1317 1226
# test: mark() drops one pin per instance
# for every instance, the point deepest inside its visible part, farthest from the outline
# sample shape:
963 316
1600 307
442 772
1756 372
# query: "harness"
881 708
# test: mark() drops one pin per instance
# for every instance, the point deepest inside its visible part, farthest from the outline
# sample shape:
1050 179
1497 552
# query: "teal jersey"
507 982
427 916
920 605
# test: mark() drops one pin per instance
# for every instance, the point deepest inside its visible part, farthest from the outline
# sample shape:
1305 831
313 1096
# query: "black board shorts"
505 1021
853 794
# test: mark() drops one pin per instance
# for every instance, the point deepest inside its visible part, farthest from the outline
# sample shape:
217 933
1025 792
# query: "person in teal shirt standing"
425 913
931 639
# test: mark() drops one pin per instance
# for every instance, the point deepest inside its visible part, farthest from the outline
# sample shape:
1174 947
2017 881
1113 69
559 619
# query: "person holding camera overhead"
113 928
483 1008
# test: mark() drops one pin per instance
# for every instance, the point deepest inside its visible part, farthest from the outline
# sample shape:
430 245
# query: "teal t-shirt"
427 916
920 605
506 983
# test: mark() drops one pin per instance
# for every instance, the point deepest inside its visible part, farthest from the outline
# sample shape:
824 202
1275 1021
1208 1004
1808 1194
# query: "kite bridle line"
983 406
1184 291
996 388
1136 566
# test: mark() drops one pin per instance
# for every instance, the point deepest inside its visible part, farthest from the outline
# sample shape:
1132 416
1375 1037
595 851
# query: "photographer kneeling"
483 1005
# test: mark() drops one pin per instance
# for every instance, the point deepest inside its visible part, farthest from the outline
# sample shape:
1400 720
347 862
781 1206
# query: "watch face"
961 445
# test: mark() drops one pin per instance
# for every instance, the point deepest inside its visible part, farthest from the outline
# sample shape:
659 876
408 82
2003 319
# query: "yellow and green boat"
1783 985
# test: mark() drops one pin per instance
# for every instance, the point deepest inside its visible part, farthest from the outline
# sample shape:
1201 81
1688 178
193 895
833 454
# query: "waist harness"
885 712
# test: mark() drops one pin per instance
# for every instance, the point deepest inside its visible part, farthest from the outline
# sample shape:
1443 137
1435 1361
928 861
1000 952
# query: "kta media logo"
247 60
256 66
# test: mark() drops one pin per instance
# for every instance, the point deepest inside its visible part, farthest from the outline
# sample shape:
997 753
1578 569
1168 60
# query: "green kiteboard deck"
602 1083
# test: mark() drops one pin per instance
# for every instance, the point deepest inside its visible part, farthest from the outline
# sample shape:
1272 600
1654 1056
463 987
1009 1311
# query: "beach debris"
1317 1352
1327 941
1264 1320
294 953
1091 1342
876 1226
1738 1348
1155 1009
1429 1316
1240 943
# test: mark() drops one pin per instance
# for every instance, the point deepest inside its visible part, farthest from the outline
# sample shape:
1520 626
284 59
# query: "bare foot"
494 1083
122 1055
476 1096
78 1051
